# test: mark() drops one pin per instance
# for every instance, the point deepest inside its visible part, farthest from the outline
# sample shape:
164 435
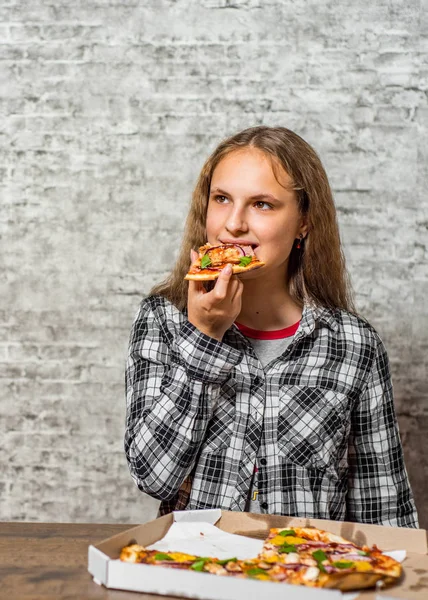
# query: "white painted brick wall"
107 111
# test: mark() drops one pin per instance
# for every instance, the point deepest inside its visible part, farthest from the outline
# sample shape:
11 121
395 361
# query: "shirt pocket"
222 423
312 426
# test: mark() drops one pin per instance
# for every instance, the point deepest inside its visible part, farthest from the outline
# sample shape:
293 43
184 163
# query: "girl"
264 392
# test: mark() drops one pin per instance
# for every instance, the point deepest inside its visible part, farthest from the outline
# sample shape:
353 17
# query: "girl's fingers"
193 255
232 287
195 288
238 291
222 283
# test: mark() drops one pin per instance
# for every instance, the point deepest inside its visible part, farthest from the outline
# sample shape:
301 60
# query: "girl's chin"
252 274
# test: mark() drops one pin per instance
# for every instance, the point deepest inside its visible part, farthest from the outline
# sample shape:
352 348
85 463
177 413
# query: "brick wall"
107 111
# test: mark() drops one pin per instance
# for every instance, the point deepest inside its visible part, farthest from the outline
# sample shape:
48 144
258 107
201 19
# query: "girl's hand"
214 312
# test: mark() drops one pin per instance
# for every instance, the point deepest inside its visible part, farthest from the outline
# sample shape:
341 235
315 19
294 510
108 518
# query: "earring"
299 242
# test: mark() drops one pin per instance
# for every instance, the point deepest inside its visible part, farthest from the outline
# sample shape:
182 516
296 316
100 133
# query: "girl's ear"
304 227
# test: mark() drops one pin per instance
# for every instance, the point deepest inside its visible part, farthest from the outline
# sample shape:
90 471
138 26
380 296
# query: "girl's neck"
268 310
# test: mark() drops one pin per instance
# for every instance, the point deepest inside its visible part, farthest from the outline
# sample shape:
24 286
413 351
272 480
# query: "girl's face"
247 205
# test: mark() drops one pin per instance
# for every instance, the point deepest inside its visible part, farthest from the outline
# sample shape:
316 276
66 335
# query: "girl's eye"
263 205
221 199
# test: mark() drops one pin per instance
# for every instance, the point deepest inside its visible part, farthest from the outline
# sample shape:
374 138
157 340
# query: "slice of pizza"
317 558
212 259
135 553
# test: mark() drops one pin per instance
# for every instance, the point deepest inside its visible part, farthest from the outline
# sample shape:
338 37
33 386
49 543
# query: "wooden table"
50 560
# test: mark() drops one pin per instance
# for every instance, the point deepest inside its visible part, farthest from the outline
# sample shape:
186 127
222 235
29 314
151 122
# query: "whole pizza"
299 556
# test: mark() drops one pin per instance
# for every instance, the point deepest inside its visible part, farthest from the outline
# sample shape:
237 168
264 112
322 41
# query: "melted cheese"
180 557
262 577
362 565
279 540
270 559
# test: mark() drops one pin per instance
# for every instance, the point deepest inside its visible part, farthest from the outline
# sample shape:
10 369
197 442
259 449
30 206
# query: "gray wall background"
108 109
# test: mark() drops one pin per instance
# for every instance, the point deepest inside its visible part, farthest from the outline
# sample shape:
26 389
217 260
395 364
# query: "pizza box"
106 568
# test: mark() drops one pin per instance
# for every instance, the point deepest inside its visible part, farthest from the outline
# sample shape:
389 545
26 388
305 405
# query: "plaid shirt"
318 420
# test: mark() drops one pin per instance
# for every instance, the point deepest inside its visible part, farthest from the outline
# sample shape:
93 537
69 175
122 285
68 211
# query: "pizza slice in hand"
212 260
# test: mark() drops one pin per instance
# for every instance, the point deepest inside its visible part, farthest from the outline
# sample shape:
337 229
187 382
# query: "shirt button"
257 380
264 505
263 461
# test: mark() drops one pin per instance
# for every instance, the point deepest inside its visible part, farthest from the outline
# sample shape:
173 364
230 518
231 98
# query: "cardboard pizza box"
106 568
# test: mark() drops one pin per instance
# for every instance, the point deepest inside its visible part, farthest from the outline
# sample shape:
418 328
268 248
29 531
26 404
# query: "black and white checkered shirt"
319 419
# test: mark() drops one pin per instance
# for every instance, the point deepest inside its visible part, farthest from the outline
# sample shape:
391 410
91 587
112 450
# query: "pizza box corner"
106 568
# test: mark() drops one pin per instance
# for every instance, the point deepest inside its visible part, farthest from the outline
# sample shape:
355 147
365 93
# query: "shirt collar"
311 314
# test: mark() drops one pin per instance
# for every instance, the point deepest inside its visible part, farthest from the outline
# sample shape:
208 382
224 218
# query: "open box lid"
386 538
258 525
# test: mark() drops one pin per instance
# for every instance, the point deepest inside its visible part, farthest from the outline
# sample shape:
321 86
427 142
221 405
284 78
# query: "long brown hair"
316 271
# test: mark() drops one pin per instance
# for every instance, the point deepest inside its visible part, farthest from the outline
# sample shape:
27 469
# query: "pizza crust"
347 582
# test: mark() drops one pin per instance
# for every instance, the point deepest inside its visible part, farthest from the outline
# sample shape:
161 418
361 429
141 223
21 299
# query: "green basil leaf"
287 548
226 560
205 261
256 571
362 553
319 555
343 564
245 260
321 567
198 565
162 556
285 532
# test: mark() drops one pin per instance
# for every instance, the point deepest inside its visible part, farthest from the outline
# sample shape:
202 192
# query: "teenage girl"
264 392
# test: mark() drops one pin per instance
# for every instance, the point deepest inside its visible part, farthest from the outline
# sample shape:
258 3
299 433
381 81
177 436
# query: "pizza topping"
215 569
293 540
245 260
162 556
218 255
289 540
320 556
308 544
291 557
343 564
286 532
287 548
205 261
311 574
225 561
199 564
293 566
353 557
363 566
308 561
254 571
233 566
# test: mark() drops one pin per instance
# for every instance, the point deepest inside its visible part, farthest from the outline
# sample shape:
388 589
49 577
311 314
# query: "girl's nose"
236 221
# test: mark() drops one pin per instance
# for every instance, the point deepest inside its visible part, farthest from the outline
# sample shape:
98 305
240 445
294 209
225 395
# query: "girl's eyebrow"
261 196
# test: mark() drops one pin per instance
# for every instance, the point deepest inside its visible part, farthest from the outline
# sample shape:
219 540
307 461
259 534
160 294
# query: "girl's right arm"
172 379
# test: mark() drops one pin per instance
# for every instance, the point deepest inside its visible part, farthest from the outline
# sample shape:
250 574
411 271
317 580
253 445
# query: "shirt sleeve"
173 377
379 489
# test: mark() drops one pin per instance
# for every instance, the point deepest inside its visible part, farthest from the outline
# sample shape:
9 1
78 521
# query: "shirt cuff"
204 357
